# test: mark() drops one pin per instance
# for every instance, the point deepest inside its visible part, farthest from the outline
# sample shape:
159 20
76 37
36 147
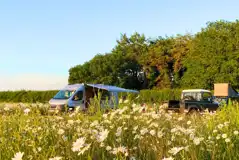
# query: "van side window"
78 96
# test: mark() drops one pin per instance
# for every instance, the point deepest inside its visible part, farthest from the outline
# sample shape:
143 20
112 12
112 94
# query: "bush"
26 96
153 96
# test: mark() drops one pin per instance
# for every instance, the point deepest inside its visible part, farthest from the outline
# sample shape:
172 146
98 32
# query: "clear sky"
40 40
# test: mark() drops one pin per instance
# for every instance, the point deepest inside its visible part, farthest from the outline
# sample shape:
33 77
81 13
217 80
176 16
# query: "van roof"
100 86
72 87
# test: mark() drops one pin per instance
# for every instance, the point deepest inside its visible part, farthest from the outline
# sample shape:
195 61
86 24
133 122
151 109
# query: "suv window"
194 95
78 96
206 95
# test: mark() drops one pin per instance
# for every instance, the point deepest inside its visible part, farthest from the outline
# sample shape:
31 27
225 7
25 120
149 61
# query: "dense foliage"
198 61
26 96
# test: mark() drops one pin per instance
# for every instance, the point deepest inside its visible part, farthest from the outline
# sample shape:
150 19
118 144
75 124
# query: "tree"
213 56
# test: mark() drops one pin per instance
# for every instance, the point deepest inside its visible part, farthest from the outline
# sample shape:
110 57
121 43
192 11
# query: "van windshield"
64 94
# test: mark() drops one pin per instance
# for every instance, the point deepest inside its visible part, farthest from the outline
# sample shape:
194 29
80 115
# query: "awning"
111 88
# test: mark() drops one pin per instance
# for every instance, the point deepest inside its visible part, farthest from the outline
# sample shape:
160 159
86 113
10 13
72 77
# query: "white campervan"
79 95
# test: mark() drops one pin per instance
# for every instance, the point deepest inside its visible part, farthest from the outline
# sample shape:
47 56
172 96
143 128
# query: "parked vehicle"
80 95
198 100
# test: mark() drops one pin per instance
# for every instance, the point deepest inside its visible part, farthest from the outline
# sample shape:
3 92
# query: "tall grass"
129 132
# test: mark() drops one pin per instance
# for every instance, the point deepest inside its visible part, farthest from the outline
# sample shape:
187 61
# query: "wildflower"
189 122
126 101
27 110
224 136
60 131
152 132
226 123
197 141
18 156
95 123
39 149
118 132
169 158
218 137
144 131
175 150
132 158
102 135
160 134
220 126
78 144
180 118
87 146
236 132
55 158
108 148
70 122
215 131
227 140
6 108
135 128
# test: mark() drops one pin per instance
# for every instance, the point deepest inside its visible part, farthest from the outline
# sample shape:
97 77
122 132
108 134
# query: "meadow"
133 131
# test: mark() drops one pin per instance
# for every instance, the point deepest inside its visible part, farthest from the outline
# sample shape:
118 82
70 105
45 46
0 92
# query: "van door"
77 100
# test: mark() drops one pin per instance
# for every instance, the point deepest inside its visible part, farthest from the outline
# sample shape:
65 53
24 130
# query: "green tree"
213 56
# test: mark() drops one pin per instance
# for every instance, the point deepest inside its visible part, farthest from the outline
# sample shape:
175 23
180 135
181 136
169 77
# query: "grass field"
29 131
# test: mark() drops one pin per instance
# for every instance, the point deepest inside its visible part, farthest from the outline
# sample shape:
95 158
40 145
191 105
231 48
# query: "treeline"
27 96
182 61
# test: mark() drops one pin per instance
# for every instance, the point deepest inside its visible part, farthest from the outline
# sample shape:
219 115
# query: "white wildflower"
27 110
61 131
132 158
39 149
55 158
236 132
78 144
220 126
180 118
215 131
169 158
102 135
160 134
119 131
189 122
95 123
108 148
197 141
6 108
136 127
227 140
144 131
175 150
87 146
70 122
224 136
18 156
152 132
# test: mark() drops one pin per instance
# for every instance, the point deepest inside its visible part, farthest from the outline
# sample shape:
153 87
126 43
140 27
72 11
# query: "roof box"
224 90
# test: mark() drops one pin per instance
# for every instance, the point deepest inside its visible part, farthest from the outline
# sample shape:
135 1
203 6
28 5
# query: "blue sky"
43 39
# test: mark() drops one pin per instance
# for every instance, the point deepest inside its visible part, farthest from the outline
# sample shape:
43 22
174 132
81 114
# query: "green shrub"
26 96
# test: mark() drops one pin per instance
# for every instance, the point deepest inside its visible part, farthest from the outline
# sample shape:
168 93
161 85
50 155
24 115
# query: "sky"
41 40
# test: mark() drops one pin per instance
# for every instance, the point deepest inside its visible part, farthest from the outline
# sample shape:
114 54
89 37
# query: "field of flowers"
30 131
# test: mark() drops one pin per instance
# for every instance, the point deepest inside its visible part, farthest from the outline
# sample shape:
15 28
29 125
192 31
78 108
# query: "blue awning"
111 88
